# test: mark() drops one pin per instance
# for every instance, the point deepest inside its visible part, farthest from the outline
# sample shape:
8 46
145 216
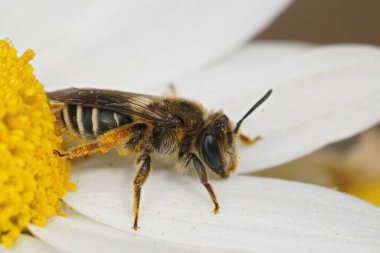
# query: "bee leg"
79 151
140 178
104 143
248 140
202 174
172 91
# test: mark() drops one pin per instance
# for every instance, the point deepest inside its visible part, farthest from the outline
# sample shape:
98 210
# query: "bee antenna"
254 107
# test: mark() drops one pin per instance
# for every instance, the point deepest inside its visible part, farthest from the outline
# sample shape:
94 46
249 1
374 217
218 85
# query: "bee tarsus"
248 140
140 178
202 174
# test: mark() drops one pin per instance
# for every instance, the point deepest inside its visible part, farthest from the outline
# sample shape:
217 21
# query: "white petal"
29 244
256 55
80 234
262 215
320 96
130 41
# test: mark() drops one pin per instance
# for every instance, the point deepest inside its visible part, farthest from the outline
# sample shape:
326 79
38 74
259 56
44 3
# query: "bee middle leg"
140 178
171 91
202 174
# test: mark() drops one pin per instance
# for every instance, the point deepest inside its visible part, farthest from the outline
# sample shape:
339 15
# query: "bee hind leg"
202 174
79 151
103 143
140 178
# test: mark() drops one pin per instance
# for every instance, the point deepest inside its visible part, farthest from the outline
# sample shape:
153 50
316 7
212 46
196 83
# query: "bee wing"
117 101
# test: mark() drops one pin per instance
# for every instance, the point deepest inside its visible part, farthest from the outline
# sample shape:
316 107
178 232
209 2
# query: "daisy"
321 95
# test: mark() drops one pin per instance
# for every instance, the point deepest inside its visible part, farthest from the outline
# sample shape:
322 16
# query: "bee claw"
56 152
135 227
216 209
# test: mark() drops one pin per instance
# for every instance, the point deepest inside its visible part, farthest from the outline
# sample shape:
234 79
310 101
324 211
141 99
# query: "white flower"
321 95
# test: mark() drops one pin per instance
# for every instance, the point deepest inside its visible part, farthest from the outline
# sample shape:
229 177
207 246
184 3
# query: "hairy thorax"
183 122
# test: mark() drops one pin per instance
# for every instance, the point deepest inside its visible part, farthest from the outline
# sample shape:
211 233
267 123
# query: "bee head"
217 146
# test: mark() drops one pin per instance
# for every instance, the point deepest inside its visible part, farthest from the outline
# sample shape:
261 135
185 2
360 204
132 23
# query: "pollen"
32 179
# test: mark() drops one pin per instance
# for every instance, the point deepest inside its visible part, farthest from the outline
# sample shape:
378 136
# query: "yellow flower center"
32 178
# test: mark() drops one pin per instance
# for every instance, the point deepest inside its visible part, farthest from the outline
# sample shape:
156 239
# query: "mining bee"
145 125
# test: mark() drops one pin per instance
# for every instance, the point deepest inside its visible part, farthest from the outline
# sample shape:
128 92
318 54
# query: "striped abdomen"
90 122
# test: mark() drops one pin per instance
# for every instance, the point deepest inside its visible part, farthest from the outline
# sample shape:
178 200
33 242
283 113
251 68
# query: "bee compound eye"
211 152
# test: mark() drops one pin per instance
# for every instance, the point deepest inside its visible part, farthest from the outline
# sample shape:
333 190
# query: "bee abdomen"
90 122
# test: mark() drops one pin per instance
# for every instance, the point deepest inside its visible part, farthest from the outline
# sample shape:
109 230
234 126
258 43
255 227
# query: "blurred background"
353 165
328 21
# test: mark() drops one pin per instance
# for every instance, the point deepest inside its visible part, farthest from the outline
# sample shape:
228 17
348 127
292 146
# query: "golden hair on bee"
145 125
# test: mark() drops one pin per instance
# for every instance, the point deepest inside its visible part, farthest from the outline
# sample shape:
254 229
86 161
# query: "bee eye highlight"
211 151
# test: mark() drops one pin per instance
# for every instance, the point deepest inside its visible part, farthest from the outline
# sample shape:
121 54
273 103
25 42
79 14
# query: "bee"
145 125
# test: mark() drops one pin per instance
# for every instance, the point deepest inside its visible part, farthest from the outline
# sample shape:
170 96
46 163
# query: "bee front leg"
140 178
202 174
248 140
